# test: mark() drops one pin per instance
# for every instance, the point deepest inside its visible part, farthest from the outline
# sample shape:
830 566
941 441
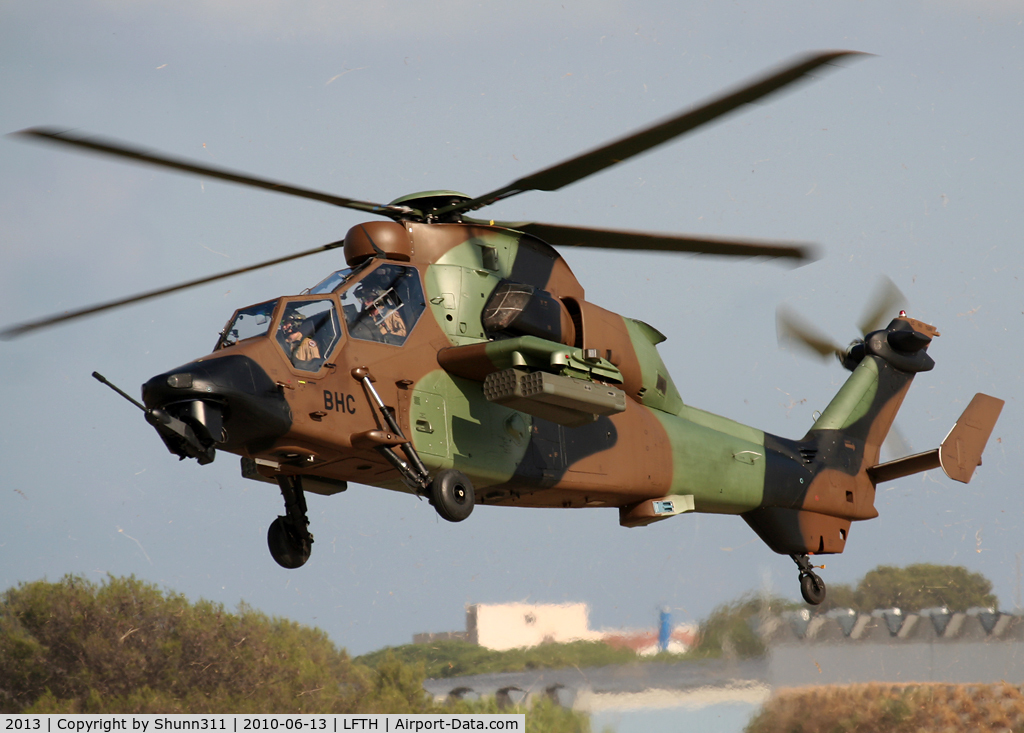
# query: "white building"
503 626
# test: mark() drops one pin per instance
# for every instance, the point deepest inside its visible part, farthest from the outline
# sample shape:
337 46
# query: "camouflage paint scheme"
799 496
505 373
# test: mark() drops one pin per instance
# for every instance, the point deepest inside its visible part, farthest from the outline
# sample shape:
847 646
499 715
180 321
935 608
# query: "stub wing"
959 454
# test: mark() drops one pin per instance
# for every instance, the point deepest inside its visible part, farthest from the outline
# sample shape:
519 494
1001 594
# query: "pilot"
386 319
302 350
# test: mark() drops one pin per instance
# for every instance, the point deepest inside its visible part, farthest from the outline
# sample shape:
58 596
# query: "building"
504 626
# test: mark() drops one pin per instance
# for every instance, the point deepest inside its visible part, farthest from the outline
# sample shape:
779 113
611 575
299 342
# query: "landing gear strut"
288 537
812 588
450 491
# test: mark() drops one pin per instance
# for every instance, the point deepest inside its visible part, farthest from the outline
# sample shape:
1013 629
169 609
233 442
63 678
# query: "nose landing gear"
288 537
812 588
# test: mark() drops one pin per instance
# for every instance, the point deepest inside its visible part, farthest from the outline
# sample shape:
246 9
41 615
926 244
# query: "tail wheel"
452 495
288 548
812 588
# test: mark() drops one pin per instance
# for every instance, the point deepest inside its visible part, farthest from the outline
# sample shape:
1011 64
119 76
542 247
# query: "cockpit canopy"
380 304
333 282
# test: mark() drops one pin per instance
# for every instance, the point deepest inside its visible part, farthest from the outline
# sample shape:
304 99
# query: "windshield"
332 282
247 323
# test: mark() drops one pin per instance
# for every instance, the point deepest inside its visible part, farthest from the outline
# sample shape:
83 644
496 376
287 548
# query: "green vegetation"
730 629
461 658
126 647
915 587
892 708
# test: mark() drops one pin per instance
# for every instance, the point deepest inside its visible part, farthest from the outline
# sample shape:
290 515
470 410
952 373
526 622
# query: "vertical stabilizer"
866 405
960 452
815 487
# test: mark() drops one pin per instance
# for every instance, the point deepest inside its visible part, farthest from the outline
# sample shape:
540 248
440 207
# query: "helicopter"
458 359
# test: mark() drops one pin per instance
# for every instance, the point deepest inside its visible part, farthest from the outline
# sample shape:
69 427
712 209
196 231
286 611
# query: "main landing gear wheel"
288 538
452 495
287 546
812 588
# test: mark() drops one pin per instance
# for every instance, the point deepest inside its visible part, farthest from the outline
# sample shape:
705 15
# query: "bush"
892 708
730 629
127 645
124 646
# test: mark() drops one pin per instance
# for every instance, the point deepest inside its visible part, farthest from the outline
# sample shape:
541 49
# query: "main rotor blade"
28 327
137 155
574 169
791 329
572 236
885 304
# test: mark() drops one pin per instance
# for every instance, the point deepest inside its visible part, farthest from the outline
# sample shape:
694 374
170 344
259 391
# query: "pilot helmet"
292 320
368 291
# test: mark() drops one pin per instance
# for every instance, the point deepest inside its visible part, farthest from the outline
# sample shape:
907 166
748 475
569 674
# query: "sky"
904 163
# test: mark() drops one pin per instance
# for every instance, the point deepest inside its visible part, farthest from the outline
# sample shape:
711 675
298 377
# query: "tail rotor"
793 330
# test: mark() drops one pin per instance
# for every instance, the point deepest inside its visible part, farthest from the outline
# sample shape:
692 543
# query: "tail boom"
815 487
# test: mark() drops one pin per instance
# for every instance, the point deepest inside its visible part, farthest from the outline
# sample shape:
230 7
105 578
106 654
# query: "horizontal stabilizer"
904 466
960 452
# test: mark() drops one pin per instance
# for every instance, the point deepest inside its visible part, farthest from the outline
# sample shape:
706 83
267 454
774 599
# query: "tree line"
125 646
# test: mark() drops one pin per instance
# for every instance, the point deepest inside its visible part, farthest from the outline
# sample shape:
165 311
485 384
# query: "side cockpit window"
308 333
247 323
385 305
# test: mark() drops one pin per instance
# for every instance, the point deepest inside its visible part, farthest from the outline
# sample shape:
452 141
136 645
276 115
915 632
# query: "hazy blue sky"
907 163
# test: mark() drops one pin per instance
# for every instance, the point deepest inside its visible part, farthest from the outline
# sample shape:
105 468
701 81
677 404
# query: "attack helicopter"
458 359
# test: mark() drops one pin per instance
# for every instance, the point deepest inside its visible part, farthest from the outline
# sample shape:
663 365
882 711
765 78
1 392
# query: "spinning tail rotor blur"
885 303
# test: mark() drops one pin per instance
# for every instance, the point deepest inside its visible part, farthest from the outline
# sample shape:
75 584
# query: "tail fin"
883 366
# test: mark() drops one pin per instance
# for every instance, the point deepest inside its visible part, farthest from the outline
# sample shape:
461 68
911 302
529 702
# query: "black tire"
452 495
812 588
288 549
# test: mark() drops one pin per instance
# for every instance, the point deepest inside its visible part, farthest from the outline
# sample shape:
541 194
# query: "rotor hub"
425 203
